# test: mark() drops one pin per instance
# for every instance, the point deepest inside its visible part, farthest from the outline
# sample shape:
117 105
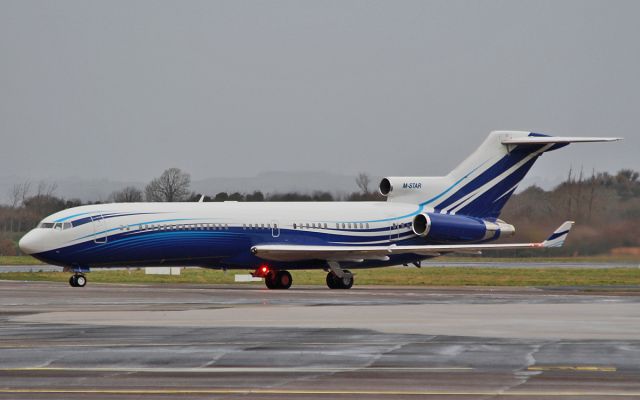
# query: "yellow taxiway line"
579 368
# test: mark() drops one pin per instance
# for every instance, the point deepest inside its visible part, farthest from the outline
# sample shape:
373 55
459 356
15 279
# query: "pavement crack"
522 374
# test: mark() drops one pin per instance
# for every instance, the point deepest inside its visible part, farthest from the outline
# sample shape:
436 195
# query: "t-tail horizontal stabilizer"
559 235
537 140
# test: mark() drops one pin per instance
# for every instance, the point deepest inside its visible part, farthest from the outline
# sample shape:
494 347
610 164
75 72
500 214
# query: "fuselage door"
99 228
275 229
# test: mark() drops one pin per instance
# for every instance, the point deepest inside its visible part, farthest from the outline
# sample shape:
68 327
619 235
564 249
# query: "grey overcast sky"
125 89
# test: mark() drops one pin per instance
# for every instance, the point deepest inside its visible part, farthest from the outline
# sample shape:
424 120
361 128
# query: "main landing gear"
274 279
78 280
338 278
335 282
278 280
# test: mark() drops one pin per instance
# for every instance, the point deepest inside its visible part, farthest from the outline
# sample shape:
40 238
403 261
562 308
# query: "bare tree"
362 180
129 194
46 189
172 185
19 193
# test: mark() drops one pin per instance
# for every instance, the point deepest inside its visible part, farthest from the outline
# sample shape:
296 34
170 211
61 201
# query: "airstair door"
99 229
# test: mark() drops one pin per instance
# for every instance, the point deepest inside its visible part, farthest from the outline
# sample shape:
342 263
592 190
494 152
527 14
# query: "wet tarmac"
235 341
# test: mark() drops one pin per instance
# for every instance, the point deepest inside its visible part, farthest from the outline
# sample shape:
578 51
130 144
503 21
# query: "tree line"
606 207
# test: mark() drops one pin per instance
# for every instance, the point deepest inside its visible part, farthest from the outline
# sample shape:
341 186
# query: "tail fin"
481 185
558 236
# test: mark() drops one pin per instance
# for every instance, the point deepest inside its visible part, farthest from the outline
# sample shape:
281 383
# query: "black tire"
283 280
347 281
332 280
81 281
72 281
270 281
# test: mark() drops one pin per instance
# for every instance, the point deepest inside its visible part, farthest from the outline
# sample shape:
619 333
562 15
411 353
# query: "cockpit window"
55 225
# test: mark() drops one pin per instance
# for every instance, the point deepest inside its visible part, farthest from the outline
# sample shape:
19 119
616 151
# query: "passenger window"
367 225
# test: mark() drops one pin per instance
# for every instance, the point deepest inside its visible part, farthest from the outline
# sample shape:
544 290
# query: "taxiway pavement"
244 341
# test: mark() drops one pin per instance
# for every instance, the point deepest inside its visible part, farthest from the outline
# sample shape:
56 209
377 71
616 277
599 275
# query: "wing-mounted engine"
459 228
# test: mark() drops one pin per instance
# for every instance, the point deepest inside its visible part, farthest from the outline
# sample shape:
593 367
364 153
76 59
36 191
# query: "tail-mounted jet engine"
458 228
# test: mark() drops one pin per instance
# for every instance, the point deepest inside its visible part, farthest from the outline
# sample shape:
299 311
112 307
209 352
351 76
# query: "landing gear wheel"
347 280
78 280
270 280
334 282
284 279
278 280
81 281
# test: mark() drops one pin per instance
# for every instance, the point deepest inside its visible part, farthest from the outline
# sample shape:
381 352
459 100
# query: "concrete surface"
199 341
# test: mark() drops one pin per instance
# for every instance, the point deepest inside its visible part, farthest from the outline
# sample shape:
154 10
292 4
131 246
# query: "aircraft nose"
29 243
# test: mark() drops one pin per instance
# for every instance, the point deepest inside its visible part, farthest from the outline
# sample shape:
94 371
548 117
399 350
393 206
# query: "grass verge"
429 276
19 260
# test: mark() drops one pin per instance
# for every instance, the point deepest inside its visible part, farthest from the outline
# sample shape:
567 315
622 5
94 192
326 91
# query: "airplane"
422 218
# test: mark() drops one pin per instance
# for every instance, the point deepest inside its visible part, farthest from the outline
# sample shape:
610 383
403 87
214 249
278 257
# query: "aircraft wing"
293 252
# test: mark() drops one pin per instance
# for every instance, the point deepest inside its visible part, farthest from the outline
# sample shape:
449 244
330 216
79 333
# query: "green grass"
18 260
429 276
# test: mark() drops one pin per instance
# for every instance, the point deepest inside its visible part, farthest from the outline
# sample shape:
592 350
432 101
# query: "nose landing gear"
78 280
